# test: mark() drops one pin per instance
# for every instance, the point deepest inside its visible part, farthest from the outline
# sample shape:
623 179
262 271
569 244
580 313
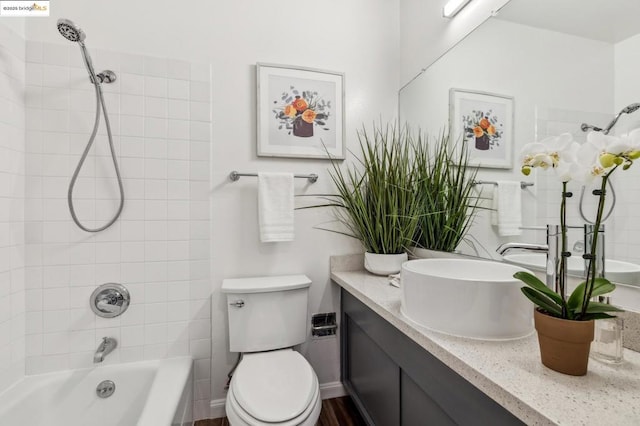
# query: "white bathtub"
149 393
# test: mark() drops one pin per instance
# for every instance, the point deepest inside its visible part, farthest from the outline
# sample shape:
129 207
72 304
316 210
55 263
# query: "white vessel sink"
615 270
467 298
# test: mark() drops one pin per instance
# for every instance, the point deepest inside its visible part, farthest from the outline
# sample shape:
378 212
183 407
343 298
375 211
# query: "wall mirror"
563 63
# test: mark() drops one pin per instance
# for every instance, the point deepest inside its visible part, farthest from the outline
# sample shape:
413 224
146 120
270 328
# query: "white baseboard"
217 408
332 390
327 391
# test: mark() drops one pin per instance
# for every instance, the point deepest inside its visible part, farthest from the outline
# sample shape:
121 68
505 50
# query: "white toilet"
273 384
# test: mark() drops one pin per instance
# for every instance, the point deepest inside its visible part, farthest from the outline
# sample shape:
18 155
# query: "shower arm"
612 123
629 109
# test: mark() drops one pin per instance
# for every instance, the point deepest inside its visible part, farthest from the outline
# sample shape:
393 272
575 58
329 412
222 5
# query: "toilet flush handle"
237 303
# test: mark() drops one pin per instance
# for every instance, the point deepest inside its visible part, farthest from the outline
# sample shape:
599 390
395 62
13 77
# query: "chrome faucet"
552 249
507 247
107 345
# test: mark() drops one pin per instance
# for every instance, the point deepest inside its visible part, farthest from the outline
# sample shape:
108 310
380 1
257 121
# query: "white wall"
359 38
425 34
540 69
12 169
15 24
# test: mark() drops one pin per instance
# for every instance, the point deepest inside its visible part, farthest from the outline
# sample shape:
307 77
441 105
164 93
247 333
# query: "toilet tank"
266 313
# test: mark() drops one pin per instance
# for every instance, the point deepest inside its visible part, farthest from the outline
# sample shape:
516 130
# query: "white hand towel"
275 207
507 208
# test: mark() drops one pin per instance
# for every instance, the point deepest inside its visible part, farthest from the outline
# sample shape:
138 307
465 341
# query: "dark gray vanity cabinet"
394 381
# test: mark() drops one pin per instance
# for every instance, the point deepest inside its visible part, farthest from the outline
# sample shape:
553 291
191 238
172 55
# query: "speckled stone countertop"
510 372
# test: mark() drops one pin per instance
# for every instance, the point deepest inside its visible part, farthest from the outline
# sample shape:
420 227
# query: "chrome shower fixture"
69 30
586 127
626 110
630 108
72 32
106 76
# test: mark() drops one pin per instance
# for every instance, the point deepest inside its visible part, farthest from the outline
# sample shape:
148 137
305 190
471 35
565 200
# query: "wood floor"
335 412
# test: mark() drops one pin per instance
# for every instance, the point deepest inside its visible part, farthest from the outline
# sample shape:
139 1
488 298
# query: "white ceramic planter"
384 264
422 253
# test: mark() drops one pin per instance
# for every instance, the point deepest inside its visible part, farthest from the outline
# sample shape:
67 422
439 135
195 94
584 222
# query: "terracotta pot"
564 344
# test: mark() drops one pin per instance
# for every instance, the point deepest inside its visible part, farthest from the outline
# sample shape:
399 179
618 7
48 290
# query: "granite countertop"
510 372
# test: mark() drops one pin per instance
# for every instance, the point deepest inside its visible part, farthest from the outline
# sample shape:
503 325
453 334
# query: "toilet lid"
274 386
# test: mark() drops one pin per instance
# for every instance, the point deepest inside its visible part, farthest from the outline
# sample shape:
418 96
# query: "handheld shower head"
70 31
626 110
630 108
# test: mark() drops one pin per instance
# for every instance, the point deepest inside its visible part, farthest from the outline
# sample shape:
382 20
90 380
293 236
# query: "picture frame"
485 123
300 112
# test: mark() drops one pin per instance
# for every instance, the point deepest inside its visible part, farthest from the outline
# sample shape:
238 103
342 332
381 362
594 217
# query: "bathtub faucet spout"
107 345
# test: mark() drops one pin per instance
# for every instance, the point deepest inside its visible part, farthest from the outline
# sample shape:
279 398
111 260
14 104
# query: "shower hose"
99 105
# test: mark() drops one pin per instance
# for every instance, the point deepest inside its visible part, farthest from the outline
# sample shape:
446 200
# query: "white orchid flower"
567 158
549 152
587 166
604 142
616 150
634 136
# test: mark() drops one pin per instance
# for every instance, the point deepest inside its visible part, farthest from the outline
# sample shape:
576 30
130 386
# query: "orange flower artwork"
302 112
290 111
484 127
309 115
300 104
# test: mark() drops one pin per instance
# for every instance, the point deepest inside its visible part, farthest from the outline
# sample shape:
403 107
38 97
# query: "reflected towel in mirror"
506 211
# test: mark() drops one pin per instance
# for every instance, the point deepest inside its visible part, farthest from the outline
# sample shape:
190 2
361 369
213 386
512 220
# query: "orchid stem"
563 259
591 270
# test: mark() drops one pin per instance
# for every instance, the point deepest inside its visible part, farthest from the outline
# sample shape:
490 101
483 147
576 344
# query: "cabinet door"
373 376
418 408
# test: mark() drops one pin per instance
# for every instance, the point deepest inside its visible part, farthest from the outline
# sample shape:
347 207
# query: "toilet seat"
237 416
274 388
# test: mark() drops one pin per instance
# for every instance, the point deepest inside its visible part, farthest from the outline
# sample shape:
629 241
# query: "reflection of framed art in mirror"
483 121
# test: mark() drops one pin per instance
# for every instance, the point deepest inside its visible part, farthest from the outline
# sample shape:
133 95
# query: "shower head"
626 110
630 108
70 31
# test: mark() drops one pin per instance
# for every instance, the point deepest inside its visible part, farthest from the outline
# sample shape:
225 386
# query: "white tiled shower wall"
12 166
159 248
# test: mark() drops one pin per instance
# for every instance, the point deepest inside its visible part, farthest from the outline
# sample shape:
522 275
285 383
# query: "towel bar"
234 176
523 185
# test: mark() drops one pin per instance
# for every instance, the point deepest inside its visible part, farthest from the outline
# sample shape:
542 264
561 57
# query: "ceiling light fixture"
452 7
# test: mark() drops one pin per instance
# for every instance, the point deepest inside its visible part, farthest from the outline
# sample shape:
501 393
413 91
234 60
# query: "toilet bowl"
274 388
273 384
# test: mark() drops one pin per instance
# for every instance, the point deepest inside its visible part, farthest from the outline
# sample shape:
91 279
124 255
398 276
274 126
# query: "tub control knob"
237 303
110 300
